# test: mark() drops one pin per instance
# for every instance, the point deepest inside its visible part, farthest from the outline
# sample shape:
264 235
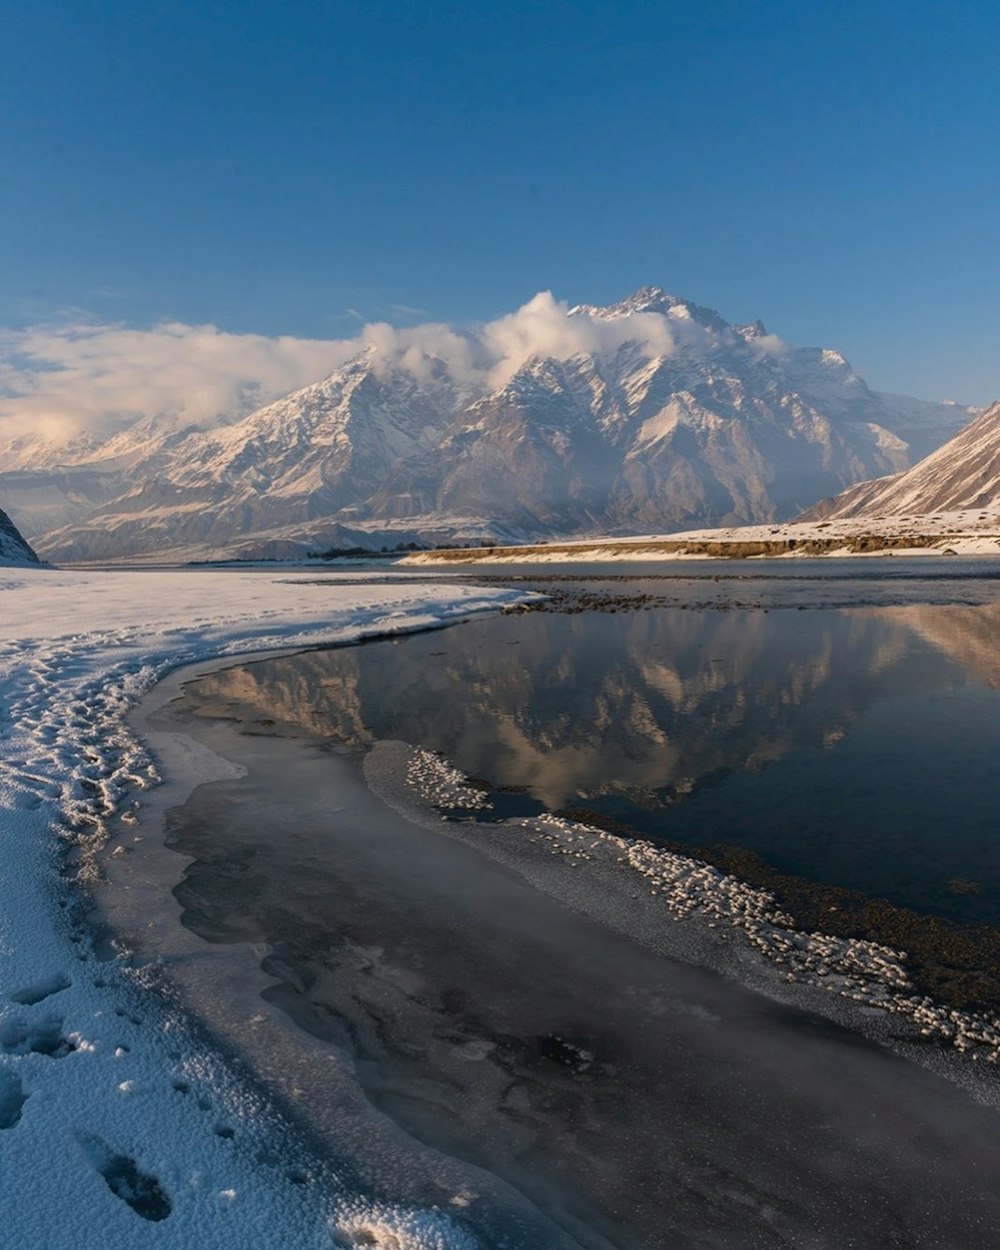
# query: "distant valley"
961 476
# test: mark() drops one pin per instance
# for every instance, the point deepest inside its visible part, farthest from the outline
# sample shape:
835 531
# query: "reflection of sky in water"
852 745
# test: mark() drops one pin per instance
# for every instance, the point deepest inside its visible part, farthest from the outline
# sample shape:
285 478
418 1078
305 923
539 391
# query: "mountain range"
652 414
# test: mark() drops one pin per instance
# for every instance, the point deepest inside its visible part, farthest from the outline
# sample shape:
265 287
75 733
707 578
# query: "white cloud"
771 345
486 356
545 327
422 350
57 380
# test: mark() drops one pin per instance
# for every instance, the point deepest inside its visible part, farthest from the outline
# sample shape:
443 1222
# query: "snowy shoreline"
965 533
112 1111
225 985
104 1137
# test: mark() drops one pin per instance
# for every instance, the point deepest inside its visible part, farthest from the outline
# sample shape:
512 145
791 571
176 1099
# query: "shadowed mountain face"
13 548
963 475
659 416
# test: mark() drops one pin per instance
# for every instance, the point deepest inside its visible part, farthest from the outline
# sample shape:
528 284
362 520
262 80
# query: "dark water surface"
846 730
855 746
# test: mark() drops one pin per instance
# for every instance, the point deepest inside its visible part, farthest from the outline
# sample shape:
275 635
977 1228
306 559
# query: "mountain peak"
654 299
650 299
650 414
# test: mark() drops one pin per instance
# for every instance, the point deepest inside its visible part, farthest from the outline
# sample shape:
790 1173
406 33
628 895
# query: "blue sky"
269 167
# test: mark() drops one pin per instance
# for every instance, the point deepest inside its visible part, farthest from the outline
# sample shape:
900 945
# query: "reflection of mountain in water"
644 705
968 635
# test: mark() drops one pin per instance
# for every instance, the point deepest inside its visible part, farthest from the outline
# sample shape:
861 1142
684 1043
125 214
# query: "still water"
557 1081
850 745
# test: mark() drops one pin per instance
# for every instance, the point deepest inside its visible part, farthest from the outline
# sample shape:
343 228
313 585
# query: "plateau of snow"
119 1124
963 532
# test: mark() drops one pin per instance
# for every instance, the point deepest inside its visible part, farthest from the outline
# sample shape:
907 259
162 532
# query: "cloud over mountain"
63 380
651 414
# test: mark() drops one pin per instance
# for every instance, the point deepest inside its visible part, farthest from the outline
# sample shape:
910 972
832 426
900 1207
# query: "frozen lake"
555 1079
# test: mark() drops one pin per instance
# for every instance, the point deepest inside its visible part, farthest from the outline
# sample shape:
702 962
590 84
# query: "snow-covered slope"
13 548
659 416
963 475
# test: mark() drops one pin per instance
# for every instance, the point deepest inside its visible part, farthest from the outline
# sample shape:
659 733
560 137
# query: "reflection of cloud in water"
556 773
645 704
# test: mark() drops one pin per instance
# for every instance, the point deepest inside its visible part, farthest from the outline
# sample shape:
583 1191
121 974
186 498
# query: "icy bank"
737 928
531 1053
118 1125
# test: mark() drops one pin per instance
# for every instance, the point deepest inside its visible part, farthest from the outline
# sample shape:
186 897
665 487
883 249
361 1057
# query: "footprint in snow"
43 1037
12 1098
38 991
139 1190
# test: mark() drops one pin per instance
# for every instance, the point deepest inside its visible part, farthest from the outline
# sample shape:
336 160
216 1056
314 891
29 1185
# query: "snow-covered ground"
973 532
119 1125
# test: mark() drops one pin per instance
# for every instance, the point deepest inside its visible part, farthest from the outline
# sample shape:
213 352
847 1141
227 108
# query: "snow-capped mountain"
651 414
13 548
961 476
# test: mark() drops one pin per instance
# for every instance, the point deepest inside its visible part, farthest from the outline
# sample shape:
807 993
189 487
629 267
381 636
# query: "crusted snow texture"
866 972
441 784
118 1125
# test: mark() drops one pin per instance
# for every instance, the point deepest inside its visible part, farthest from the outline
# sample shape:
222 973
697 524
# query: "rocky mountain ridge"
653 414
962 475
13 548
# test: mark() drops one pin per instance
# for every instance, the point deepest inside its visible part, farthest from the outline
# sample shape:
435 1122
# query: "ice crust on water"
390 1228
119 1124
441 784
864 972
